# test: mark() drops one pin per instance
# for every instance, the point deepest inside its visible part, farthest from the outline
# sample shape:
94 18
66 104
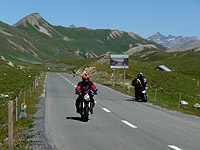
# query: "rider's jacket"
139 81
89 85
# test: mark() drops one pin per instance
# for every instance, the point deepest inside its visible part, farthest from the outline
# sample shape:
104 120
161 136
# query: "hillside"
13 78
186 62
34 40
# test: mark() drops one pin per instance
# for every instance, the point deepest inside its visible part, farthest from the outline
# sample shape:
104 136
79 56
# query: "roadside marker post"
113 77
36 85
16 109
179 100
23 111
128 89
10 124
155 95
24 97
33 87
30 90
124 78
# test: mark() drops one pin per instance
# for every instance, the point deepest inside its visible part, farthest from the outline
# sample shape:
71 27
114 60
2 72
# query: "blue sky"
143 17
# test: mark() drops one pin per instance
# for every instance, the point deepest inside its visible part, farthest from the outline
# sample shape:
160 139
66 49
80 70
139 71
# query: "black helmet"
140 75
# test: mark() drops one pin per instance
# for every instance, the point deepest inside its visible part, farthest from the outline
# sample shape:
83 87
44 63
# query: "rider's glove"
77 92
95 92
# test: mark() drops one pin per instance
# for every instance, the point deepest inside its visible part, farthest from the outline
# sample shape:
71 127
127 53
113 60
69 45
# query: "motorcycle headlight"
86 97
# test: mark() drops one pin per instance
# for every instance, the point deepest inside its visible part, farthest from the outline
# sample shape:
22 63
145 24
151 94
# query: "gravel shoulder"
37 133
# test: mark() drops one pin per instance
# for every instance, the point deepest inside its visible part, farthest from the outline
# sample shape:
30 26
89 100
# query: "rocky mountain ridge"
172 41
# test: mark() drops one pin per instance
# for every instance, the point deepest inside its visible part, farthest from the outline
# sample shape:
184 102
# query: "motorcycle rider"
74 72
85 83
138 83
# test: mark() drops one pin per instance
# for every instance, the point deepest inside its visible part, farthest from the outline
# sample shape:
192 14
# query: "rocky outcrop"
87 70
104 60
90 55
114 34
32 19
133 35
138 49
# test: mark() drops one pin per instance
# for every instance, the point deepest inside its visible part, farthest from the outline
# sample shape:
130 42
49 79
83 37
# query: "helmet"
85 77
141 74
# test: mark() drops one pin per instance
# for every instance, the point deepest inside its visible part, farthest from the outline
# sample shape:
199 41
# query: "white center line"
106 109
129 124
67 80
174 147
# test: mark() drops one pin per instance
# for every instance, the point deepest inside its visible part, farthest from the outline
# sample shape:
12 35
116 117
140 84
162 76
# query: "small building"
163 68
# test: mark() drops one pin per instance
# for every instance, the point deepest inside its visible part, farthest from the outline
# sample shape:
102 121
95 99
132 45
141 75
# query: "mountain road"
118 123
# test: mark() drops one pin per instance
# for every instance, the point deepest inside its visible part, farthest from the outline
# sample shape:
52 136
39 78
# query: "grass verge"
21 140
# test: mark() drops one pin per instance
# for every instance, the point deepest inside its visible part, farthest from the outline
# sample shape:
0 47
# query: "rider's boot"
91 108
77 109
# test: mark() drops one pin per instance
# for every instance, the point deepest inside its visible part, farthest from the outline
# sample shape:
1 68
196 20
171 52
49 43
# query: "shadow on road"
133 99
130 99
75 118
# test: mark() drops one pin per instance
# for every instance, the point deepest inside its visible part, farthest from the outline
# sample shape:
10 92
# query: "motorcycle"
86 106
142 94
74 74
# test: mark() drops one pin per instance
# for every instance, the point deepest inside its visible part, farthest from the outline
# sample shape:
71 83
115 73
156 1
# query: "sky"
143 17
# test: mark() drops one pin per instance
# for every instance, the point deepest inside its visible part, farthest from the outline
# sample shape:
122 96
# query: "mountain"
185 47
72 26
171 41
34 40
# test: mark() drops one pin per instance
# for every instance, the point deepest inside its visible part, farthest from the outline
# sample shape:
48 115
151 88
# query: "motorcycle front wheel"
86 113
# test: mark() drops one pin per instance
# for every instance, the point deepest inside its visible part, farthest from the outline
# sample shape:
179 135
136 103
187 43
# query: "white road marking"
105 109
129 124
67 80
174 147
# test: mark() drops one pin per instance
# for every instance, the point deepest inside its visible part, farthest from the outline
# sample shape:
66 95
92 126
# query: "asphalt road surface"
118 123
